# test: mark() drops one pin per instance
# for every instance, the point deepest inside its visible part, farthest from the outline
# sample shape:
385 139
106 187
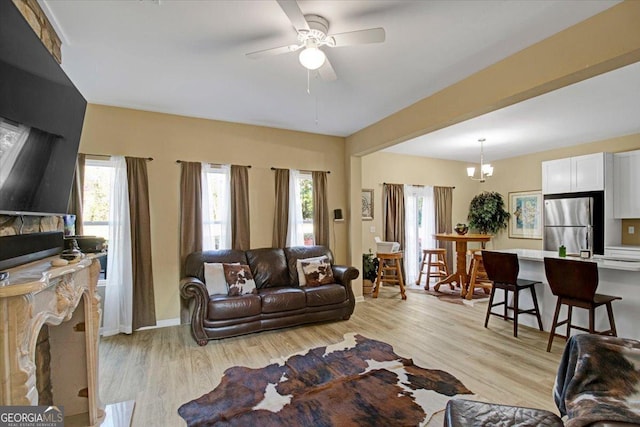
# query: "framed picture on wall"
367 204
526 210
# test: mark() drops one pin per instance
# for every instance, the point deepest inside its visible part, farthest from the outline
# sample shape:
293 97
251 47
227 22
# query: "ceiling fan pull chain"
316 97
308 82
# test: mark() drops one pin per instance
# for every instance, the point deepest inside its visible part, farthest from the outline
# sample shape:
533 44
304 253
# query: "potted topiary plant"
487 213
369 271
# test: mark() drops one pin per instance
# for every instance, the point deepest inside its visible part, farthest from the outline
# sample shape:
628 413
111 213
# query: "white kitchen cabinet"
626 181
573 174
556 176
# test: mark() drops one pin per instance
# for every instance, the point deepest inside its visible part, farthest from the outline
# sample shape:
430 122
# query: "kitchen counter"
603 262
616 277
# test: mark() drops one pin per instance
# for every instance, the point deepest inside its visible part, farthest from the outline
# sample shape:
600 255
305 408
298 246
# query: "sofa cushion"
295 253
302 281
317 273
222 307
275 300
194 264
463 413
325 295
239 279
269 267
214 278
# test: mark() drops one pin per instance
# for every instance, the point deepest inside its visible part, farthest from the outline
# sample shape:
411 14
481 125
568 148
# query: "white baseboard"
162 324
360 298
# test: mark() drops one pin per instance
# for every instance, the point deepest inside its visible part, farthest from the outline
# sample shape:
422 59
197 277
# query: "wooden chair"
574 282
502 269
390 271
477 276
435 261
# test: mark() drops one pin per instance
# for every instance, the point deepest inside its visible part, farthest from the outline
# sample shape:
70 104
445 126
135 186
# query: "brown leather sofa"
595 386
279 301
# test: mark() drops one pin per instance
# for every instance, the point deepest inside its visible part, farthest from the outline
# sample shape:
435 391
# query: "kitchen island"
616 277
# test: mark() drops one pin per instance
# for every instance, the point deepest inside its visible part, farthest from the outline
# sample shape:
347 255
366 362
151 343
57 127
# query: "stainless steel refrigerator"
568 222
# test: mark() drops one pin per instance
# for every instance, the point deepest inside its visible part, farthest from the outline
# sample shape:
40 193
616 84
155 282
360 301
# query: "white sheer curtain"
216 207
118 304
419 227
295 230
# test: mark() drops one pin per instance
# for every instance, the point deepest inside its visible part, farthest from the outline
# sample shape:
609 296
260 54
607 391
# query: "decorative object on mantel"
367 204
526 208
359 381
461 228
485 168
487 213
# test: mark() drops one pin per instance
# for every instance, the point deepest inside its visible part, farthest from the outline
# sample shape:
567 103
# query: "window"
98 178
300 230
419 227
305 184
216 207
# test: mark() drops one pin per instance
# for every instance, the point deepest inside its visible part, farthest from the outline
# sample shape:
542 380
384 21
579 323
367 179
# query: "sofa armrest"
193 288
344 274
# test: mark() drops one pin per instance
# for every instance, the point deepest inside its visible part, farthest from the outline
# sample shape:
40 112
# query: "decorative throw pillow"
214 278
301 279
317 273
239 279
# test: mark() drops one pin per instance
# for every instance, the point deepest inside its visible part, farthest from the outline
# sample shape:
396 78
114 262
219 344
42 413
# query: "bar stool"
390 271
477 275
574 283
502 269
433 259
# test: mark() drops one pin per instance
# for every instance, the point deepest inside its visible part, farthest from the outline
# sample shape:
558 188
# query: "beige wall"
381 167
167 138
525 173
522 173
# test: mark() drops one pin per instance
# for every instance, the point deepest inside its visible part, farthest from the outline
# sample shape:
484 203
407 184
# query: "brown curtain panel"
144 311
320 209
77 193
190 219
281 218
240 233
393 220
443 201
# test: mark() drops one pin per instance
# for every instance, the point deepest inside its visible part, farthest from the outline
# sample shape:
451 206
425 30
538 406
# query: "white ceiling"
188 58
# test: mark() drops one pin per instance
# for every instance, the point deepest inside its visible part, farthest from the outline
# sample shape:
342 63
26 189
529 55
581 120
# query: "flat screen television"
41 117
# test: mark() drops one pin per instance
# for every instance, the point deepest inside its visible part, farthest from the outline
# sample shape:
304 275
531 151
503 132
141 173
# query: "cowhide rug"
357 382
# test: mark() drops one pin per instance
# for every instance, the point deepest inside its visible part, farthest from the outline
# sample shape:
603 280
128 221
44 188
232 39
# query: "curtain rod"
417 185
212 164
108 156
301 170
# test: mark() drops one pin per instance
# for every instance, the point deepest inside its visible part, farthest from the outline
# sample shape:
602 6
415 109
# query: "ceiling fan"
312 35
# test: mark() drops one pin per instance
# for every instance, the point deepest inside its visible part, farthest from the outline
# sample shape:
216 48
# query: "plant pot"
367 287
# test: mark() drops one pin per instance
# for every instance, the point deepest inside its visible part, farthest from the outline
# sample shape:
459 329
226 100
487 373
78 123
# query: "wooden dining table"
460 274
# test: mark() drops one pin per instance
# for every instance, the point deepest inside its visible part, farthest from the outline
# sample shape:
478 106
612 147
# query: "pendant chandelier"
485 169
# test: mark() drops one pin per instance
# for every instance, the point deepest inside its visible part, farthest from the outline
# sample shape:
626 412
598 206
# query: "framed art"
367 204
526 208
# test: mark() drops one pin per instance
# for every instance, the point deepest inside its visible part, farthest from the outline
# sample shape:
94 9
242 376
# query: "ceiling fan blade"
273 51
327 72
372 35
292 10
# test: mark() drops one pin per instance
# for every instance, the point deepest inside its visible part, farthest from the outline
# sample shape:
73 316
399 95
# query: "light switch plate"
372 229
631 229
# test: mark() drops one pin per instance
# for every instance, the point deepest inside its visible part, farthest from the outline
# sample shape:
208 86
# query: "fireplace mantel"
37 294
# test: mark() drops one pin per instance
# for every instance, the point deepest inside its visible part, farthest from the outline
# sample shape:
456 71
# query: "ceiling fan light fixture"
312 58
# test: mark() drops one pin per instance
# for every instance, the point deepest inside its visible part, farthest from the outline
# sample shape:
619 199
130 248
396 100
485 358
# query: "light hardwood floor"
163 368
